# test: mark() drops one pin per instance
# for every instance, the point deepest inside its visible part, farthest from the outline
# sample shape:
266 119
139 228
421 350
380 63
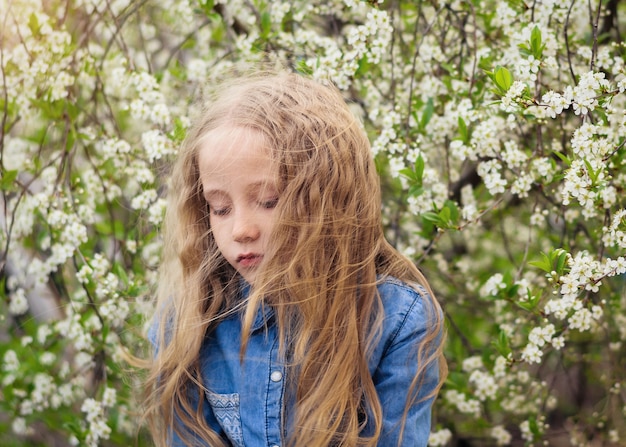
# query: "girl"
287 318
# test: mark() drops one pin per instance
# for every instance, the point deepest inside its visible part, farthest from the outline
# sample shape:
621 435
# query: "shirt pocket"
226 410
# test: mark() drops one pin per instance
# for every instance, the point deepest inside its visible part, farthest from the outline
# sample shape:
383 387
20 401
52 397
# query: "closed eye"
269 204
219 211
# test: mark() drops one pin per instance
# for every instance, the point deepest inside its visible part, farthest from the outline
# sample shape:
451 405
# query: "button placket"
275 390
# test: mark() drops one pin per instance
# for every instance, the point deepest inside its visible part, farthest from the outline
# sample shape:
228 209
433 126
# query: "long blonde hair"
327 254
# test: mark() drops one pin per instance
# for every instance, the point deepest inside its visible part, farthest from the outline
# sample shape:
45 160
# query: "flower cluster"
95 417
538 337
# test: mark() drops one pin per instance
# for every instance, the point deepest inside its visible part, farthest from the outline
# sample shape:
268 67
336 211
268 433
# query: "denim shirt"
246 400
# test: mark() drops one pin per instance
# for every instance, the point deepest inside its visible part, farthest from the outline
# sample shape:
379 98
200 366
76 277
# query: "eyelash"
268 205
220 211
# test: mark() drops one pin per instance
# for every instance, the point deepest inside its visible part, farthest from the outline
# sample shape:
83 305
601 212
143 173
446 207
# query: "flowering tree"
498 128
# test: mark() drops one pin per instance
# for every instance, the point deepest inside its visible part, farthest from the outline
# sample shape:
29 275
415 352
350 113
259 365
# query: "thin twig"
414 63
565 28
119 24
182 43
475 49
594 26
5 111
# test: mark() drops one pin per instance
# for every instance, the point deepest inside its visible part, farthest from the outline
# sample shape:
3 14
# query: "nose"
245 228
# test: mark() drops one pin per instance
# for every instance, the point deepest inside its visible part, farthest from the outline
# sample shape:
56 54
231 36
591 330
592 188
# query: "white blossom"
18 305
156 145
501 435
439 438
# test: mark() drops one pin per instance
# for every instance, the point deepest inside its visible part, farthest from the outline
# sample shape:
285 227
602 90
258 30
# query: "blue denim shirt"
246 400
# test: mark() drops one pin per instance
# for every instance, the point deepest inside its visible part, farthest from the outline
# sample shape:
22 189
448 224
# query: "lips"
248 260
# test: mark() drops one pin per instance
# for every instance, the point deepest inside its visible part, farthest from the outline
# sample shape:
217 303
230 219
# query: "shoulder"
401 298
409 311
389 286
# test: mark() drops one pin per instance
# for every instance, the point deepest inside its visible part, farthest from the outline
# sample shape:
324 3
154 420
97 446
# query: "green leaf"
72 110
560 264
534 427
536 47
593 175
525 305
530 304
71 139
8 179
364 67
453 211
432 217
456 380
524 50
52 110
555 262
302 67
266 25
511 291
450 68
428 228
544 263
564 158
446 218
463 130
502 344
444 214
534 300
416 174
503 79
408 173
120 272
429 110
416 190
179 132
207 6
419 168
33 24
75 428
177 70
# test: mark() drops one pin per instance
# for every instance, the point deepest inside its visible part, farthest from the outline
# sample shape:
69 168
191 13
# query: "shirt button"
276 376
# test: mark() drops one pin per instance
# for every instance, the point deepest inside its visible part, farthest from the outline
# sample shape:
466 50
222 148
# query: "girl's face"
240 184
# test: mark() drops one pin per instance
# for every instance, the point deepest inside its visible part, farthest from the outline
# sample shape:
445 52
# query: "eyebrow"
213 193
270 185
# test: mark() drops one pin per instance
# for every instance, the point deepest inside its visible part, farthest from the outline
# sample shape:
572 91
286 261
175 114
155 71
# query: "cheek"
217 229
270 223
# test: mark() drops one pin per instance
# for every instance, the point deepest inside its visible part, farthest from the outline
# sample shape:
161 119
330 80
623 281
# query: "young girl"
285 317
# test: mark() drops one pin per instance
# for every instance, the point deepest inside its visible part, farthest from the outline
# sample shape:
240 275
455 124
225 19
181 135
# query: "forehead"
234 154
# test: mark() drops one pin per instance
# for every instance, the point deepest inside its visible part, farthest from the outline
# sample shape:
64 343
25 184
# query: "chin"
248 277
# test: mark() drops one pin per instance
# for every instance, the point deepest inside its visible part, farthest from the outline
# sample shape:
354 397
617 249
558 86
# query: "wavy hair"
327 255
